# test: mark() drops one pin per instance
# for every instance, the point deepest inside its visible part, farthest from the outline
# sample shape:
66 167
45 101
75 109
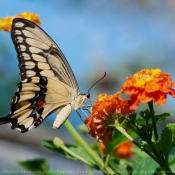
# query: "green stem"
107 160
167 170
151 155
86 147
122 130
63 147
132 140
89 170
159 158
83 144
150 105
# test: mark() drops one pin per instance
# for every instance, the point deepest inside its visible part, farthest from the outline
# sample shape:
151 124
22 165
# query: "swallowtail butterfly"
47 81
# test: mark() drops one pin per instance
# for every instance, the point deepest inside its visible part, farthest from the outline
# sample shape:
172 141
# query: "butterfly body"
47 81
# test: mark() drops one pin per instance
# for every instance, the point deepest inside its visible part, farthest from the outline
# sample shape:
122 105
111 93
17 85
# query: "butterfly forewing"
38 53
47 81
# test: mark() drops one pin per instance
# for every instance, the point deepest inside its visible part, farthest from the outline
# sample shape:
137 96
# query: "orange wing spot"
37 122
40 103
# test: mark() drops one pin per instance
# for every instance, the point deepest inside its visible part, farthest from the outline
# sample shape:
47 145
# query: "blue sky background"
119 37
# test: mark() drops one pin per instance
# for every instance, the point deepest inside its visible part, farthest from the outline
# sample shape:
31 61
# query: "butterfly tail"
13 123
4 120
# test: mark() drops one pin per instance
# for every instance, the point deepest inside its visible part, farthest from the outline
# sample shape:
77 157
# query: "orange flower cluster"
5 23
104 113
148 85
122 151
144 86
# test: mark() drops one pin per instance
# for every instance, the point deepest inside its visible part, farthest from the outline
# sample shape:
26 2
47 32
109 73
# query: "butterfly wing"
47 81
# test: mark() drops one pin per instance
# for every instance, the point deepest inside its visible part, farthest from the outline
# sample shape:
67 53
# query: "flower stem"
63 147
132 140
122 130
107 160
83 144
159 158
150 105
167 170
89 170
88 150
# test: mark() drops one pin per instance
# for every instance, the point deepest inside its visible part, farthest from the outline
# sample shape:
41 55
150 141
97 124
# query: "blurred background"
116 37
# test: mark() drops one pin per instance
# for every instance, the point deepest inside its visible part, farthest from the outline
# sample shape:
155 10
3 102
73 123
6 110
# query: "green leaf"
140 121
131 117
50 145
80 151
172 162
117 139
145 114
36 166
162 117
167 140
145 166
120 166
139 153
74 148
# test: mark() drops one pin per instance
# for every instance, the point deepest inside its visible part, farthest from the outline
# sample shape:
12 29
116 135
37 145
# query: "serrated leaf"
145 166
120 166
162 117
166 140
74 148
117 139
139 153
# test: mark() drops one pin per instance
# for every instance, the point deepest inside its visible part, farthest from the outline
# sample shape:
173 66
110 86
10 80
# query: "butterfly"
47 81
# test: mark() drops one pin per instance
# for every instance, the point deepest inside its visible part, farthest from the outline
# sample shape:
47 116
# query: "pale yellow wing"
47 82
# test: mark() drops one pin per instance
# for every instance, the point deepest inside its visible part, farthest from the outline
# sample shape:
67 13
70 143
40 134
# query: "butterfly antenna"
97 87
96 82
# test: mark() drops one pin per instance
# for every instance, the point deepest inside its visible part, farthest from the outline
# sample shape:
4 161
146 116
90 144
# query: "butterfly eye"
88 95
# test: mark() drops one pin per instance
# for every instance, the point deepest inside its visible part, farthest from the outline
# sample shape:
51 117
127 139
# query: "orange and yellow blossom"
6 23
104 113
149 85
122 151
